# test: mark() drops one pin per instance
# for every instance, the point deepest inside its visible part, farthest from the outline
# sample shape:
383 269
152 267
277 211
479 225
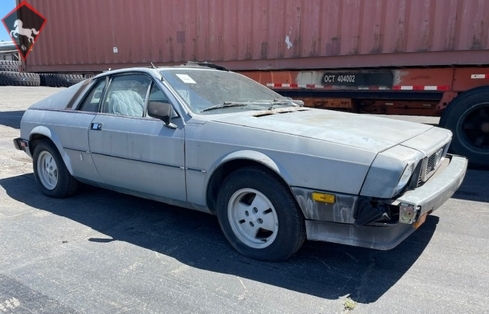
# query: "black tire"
19 79
274 207
467 116
9 65
50 172
60 80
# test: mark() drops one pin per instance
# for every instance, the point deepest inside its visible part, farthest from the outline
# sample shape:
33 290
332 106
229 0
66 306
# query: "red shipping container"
93 35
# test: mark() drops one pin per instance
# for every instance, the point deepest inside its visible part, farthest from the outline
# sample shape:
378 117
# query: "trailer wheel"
467 117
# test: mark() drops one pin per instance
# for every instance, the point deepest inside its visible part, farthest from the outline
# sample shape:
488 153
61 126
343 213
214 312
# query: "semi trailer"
409 57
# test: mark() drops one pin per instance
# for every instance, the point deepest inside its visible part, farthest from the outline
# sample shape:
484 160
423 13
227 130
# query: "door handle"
96 126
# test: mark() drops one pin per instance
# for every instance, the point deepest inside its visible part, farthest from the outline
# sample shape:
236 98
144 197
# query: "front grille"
433 162
430 164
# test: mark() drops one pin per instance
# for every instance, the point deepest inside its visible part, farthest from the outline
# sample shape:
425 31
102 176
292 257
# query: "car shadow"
474 187
320 269
11 118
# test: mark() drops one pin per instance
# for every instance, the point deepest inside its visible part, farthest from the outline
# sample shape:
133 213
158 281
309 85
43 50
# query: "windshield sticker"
186 79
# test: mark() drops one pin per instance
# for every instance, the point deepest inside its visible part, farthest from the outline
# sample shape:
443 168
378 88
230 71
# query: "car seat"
126 103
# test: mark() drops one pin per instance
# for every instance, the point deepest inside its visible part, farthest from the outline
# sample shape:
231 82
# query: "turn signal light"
324 197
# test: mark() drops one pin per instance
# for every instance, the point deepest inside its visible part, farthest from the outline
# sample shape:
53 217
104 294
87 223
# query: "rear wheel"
50 172
468 118
259 216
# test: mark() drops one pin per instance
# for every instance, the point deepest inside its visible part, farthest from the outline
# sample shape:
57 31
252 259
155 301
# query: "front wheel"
259 216
50 171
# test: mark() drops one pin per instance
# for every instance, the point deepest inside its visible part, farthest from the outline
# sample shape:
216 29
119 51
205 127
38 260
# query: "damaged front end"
380 223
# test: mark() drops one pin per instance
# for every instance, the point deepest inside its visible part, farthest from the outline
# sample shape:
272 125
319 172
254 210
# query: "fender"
42 130
257 157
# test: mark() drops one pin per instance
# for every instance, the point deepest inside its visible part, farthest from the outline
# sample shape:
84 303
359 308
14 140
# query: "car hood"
367 132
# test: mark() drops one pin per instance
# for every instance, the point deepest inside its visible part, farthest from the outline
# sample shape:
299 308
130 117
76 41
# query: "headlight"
391 171
406 175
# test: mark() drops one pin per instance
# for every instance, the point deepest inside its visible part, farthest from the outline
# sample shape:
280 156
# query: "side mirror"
162 111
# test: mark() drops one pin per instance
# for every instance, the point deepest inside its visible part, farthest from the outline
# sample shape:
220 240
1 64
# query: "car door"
133 152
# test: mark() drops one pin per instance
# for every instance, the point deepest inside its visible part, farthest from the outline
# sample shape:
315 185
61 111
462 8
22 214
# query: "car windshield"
211 91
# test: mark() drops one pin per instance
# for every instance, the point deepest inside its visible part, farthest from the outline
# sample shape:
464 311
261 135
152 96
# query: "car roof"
155 71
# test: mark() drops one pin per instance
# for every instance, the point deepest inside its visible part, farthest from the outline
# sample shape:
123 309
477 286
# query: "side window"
92 100
126 95
156 94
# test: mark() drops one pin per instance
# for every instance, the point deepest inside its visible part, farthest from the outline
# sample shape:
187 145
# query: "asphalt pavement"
105 252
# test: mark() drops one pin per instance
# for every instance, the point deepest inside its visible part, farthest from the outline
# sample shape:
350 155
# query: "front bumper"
436 191
413 205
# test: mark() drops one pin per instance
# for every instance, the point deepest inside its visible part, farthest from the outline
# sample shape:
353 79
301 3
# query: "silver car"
274 173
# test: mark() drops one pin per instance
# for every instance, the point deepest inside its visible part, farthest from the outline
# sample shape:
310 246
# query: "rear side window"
92 100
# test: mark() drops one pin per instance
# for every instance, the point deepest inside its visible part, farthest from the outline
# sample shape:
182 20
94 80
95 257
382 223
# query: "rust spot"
312 53
264 50
328 103
248 54
333 48
476 44
180 37
377 47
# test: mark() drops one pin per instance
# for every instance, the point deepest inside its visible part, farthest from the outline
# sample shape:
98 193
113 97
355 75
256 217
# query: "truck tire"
467 116
9 65
19 79
60 80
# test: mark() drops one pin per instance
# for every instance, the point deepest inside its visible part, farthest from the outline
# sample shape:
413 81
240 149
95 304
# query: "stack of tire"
10 75
60 80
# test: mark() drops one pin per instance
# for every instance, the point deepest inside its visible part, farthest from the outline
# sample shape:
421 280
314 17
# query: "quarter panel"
68 130
59 100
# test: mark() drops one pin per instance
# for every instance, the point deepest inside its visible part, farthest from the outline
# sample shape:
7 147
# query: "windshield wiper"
269 103
282 102
225 105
